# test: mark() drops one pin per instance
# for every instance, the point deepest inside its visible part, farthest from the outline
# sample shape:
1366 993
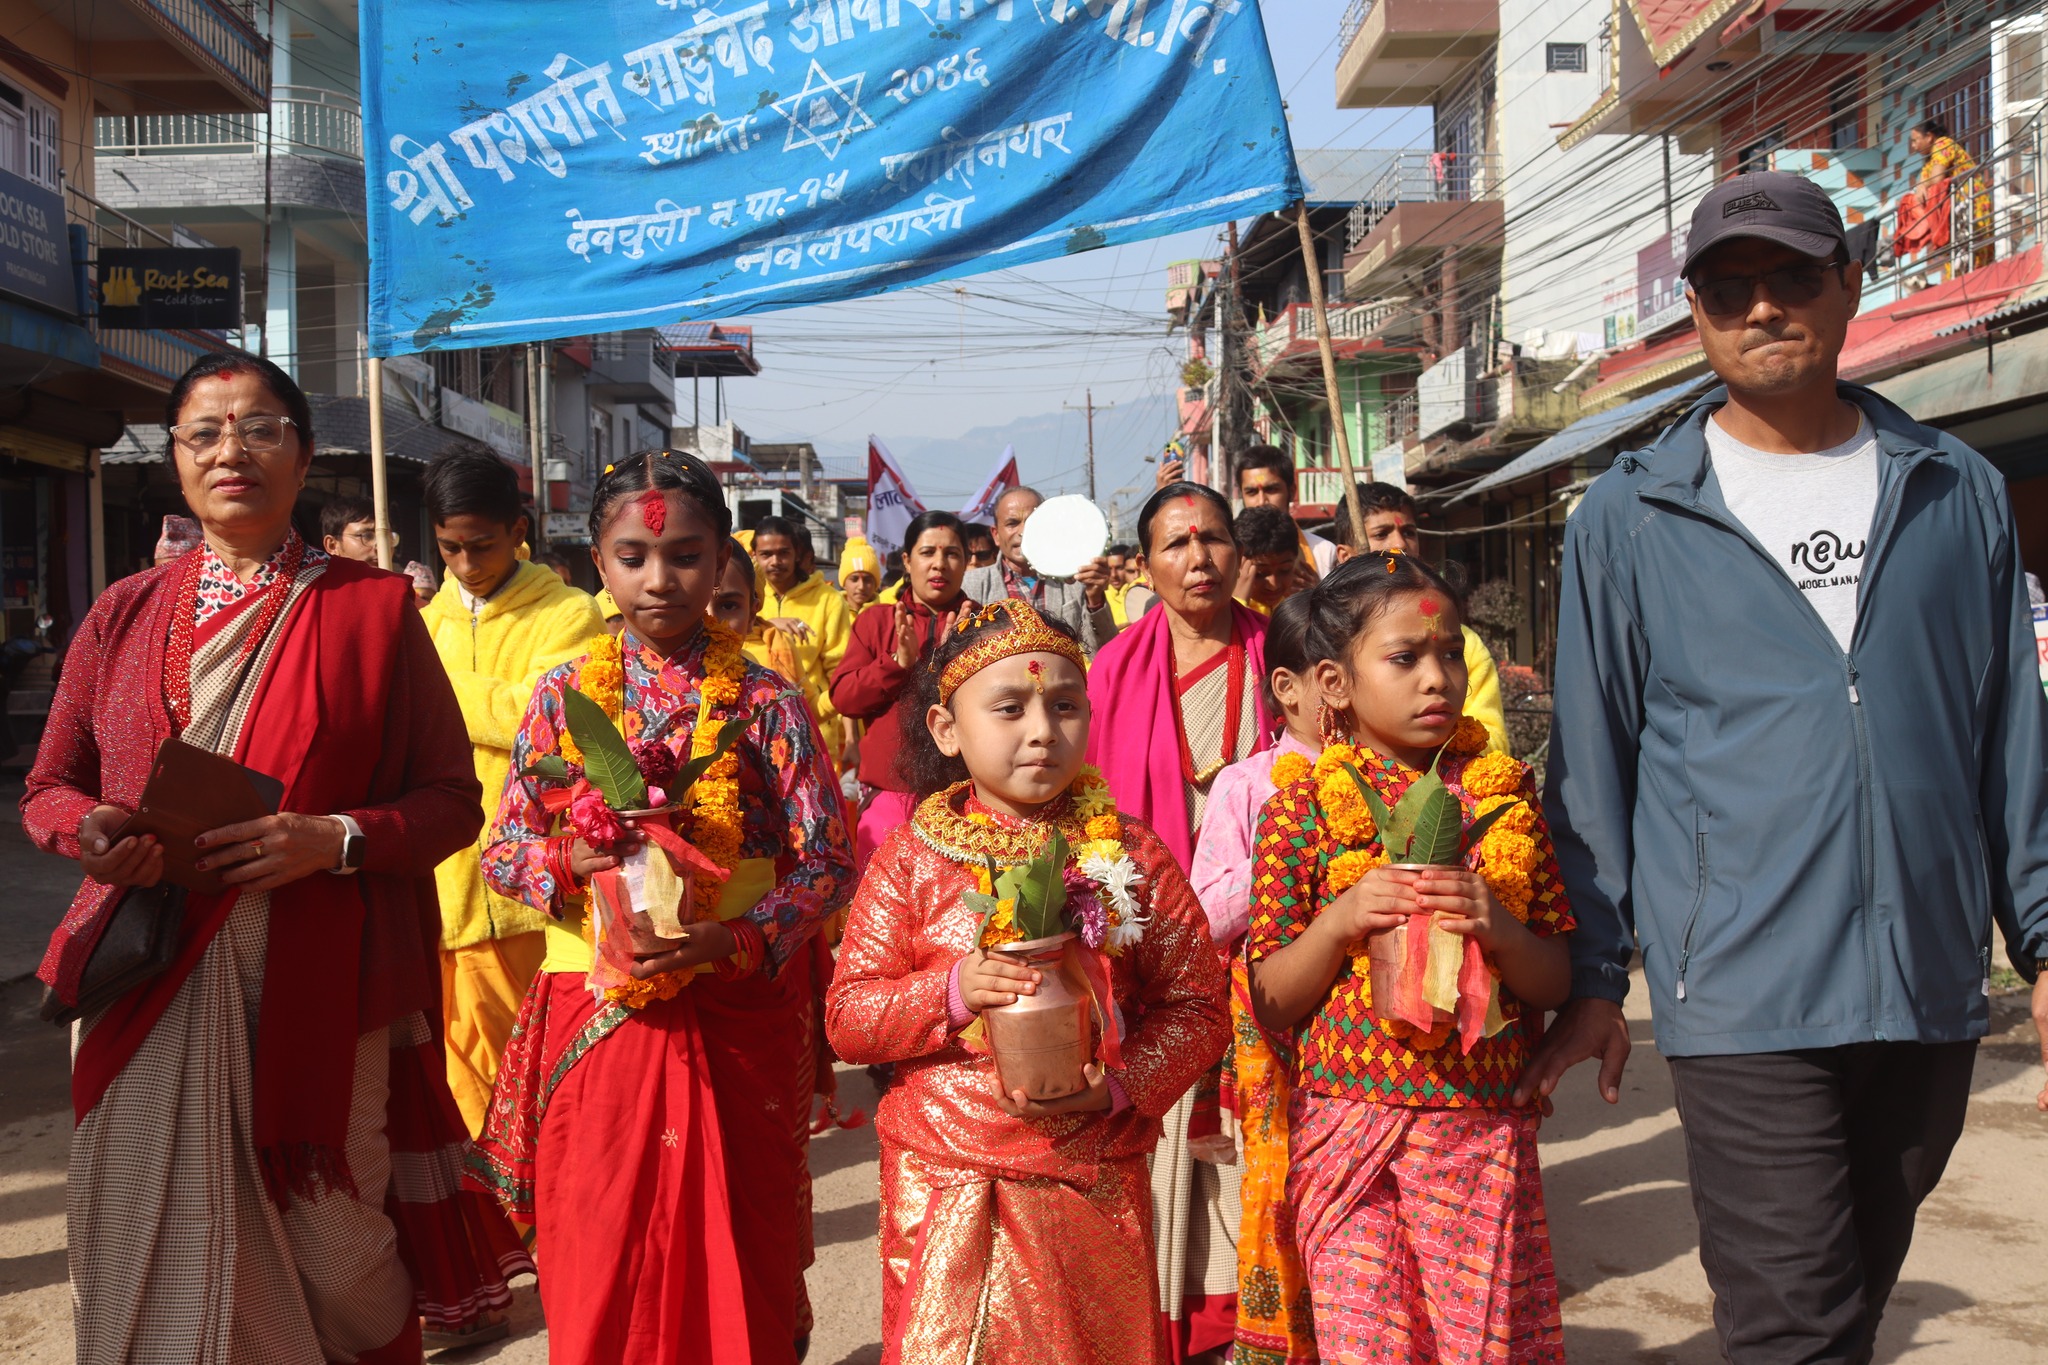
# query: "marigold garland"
1507 852
1089 822
1492 775
1289 769
1468 740
716 825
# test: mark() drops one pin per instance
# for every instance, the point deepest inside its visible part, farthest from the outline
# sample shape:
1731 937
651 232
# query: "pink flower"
596 822
1084 909
656 761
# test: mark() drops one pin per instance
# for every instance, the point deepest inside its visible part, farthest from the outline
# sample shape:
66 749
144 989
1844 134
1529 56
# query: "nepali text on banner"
548 168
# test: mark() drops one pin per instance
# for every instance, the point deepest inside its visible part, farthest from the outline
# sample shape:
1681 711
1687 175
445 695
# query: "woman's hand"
262 855
989 982
1096 1098
906 636
705 941
1465 905
137 860
586 862
1382 899
791 626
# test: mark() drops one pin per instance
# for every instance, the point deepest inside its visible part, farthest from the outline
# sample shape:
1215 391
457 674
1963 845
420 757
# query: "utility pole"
1233 388
1089 407
1341 436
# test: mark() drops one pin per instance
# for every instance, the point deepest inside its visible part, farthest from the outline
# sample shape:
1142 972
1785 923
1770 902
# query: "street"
1626 1245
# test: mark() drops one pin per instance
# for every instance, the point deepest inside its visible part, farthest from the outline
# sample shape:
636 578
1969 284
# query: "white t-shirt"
1812 513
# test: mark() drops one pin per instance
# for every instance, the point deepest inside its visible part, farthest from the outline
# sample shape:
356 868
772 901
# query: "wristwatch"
352 845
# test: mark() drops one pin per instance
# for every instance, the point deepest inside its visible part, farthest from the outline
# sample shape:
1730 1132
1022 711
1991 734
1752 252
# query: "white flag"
891 501
982 506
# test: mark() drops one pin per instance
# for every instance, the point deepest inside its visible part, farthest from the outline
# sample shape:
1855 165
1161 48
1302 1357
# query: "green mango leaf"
1382 818
1476 831
606 760
687 775
1439 823
1040 889
551 766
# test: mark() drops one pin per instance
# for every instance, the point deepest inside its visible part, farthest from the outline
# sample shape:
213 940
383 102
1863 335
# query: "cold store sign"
35 251
189 287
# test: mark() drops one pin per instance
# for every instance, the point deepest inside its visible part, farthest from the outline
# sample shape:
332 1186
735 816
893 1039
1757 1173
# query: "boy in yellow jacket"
499 622
811 613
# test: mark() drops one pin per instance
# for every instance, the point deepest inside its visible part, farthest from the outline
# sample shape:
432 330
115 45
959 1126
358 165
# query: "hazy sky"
941 361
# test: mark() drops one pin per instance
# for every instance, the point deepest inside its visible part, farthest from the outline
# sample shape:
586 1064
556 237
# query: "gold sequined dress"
1007 1239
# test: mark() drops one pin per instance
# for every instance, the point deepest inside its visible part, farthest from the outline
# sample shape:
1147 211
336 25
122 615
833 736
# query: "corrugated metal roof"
1590 433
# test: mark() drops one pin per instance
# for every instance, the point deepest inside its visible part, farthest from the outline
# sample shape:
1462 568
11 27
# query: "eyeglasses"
257 434
1731 295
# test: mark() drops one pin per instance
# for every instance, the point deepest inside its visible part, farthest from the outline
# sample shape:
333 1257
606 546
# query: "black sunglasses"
1731 295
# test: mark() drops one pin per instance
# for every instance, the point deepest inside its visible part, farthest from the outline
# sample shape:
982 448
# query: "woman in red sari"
267 1158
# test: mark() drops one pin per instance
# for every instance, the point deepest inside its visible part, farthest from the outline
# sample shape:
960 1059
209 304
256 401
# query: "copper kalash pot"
1042 1042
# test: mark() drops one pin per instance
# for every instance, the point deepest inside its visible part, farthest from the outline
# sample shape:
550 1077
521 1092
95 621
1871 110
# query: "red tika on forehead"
654 510
1428 605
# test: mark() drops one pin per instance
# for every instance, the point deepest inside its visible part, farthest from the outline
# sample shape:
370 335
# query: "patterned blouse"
1345 1050
219 589
790 800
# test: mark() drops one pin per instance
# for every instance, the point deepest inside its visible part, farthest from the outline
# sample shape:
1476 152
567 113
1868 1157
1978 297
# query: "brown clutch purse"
190 791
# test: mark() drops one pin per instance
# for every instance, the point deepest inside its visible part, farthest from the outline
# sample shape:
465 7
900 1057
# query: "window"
1845 116
1564 56
1757 155
29 138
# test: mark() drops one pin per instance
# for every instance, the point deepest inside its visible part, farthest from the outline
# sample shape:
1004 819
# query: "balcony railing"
223 32
1348 322
1425 178
303 120
1355 15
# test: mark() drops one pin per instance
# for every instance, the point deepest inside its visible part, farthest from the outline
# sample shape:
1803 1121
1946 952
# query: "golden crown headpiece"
1026 633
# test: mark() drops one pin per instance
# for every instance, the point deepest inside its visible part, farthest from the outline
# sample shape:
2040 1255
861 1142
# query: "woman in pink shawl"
1176 699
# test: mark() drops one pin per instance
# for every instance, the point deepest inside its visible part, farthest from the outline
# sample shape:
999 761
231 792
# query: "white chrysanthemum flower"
1118 877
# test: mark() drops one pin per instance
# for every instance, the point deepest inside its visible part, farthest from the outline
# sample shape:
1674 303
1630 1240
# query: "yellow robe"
1482 692
823 608
491 946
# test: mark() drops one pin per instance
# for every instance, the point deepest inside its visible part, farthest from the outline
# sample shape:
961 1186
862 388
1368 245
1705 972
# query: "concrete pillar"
281 294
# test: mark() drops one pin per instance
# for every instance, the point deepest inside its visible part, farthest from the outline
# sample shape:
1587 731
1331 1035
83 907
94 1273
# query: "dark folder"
191 791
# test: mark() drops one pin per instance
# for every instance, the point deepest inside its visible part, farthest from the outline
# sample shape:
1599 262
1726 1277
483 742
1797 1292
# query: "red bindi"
1428 605
654 510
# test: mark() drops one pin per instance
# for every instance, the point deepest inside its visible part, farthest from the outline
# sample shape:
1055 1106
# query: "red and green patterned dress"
1419 1207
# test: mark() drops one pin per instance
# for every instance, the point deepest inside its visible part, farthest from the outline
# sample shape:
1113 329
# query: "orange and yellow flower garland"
1507 851
716 825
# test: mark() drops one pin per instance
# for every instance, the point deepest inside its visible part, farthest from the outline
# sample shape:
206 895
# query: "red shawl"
1133 735
355 715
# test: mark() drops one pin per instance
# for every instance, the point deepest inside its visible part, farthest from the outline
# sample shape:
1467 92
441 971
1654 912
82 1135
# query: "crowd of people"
571 903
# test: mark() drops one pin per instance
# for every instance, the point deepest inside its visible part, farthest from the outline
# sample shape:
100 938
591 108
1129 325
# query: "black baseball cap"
1776 206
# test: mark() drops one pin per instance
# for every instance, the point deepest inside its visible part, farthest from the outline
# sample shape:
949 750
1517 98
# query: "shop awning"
1590 433
1932 321
1629 373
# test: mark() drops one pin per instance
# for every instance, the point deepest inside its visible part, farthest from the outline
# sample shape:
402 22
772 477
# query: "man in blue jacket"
1798 758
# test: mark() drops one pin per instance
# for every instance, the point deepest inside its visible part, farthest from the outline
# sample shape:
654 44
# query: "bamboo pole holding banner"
1343 438
380 488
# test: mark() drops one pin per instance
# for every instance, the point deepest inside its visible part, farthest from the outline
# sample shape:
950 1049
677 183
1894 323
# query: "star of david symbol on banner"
825 113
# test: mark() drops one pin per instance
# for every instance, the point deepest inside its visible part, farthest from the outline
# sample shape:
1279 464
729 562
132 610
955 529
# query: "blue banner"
548 168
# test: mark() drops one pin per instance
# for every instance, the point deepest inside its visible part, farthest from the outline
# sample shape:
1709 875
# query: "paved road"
1971 1294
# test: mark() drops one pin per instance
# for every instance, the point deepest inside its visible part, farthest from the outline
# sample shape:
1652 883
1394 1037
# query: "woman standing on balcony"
1950 170
1177 699
241 1113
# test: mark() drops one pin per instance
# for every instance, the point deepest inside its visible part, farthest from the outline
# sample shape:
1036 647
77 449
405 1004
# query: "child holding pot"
1015 1201
1418 1205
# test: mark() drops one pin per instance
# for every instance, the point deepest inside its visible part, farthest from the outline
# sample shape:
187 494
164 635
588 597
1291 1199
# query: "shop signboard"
35 248
193 288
